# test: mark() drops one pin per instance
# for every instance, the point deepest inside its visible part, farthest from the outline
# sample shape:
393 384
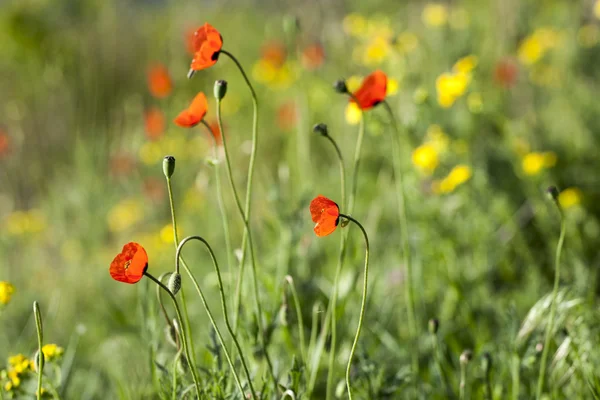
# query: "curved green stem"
40 336
221 201
248 234
463 381
182 332
550 327
357 151
406 257
362 305
247 209
290 281
225 314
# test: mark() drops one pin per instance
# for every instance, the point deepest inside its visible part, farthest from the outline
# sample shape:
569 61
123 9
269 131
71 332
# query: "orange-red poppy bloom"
506 72
159 81
326 214
372 91
154 121
4 144
207 44
192 116
313 56
129 265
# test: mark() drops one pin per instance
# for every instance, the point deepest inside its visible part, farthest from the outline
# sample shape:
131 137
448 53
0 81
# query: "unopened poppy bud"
340 86
466 357
344 222
168 166
321 129
553 193
174 283
191 73
38 360
171 335
486 363
434 325
220 89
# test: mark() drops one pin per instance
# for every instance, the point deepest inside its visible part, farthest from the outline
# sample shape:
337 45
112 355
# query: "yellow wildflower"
530 50
354 24
588 35
533 163
6 291
569 197
14 378
435 14
392 87
8 386
376 51
52 351
407 42
353 113
426 158
16 360
457 176
450 87
466 64
25 222
166 233
353 83
125 214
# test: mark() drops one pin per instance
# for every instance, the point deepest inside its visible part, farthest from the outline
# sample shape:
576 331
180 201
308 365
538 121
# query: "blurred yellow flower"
533 163
450 87
588 35
274 76
353 114
166 234
407 42
353 83
376 51
435 14
52 351
392 87
597 9
25 222
436 137
569 197
354 24
475 102
6 291
124 214
457 176
459 19
16 360
535 46
426 158
466 64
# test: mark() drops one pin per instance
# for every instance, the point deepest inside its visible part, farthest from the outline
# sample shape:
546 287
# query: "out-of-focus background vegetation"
83 133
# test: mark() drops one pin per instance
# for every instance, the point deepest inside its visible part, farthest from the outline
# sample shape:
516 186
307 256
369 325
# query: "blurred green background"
80 175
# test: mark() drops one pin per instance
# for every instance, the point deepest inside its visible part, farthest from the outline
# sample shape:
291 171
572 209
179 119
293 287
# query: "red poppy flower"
159 81
192 116
154 121
326 214
4 144
207 44
505 73
313 56
129 266
372 91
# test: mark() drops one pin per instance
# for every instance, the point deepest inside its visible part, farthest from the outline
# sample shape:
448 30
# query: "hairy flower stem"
290 281
221 203
362 305
550 325
406 257
182 332
225 313
248 202
40 356
248 233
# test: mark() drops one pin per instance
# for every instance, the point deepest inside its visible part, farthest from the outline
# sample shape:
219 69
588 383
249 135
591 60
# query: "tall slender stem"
550 325
248 202
40 336
362 304
183 334
248 234
221 202
290 281
225 313
406 257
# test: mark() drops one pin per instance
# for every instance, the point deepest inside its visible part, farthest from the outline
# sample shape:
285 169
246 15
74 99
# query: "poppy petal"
372 91
129 265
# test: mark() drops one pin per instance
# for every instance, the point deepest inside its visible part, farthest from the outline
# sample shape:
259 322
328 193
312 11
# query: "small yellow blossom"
533 163
569 197
8 386
435 14
353 83
276 77
426 158
16 360
588 35
14 378
466 64
459 19
392 87
530 50
125 214
25 222
6 291
450 87
353 113
354 24
457 176
475 102
52 351
376 51
407 42
166 234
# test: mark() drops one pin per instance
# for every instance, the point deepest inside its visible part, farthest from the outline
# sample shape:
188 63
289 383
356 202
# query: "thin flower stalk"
40 354
290 282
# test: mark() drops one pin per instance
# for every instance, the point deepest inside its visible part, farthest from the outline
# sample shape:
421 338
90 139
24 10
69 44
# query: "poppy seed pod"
434 325
321 129
174 283
340 86
552 193
220 89
171 335
466 357
168 166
